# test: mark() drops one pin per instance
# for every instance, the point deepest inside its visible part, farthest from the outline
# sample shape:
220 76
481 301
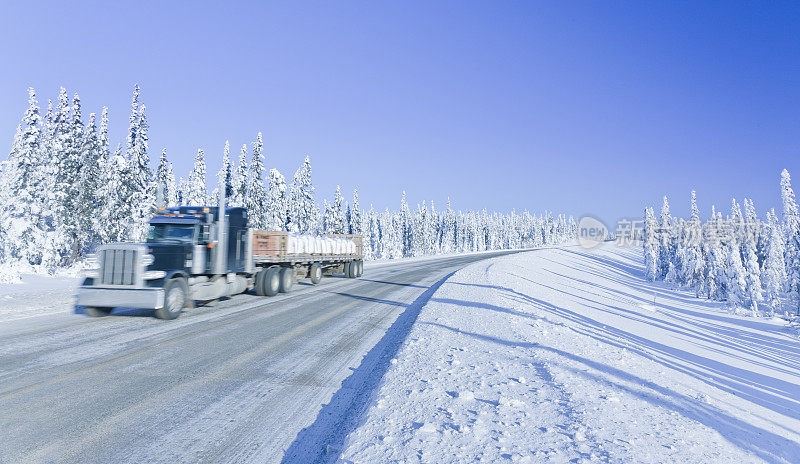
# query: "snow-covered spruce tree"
196 193
240 180
665 250
752 274
371 235
339 222
182 189
750 230
224 175
327 216
755 228
791 229
773 274
91 178
418 223
356 226
276 206
405 229
113 224
23 186
431 231
256 199
162 178
449 230
67 242
348 218
142 187
171 194
693 263
392 241
302 210
650 244
737 286
102 195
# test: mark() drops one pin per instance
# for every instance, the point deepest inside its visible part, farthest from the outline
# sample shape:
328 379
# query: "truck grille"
118 266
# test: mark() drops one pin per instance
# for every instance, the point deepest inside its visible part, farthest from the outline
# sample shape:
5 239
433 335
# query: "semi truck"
205 253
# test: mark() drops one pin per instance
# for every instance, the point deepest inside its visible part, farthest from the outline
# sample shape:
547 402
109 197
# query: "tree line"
751 264
64 189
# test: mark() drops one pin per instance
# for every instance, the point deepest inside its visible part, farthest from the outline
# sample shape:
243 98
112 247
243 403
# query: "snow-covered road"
568 355
233 382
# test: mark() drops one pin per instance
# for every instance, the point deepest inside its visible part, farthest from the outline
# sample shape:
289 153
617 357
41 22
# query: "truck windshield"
171 232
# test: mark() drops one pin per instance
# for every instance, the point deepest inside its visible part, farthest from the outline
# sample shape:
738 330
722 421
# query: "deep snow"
569 355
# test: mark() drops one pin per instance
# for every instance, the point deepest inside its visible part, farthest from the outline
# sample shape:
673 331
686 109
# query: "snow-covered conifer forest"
752 264
65 188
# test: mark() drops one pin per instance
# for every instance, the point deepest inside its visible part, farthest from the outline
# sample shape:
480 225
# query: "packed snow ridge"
572 355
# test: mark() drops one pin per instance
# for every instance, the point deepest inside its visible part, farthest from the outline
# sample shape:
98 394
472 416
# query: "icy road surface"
235 382
568 355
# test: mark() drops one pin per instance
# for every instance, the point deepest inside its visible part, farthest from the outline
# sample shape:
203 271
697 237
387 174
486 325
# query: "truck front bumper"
146 298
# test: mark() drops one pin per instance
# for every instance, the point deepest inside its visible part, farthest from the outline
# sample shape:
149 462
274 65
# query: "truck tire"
347 266
272 281
260 281
287 279
174 300
97 311
315 273
359 268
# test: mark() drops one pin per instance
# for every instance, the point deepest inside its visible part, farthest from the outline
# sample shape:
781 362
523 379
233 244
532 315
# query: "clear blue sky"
581 107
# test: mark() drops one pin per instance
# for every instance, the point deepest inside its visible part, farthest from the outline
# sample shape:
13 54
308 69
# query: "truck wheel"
347 266
287 279
174 300
260 281
316 273
359 268
272 281
353 269
97 311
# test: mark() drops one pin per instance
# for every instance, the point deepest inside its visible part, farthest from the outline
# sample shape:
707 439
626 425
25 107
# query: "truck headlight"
148 259
152 275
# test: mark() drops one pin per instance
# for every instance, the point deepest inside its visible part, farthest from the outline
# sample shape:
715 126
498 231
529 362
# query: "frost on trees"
302 210
276 202
256 200
196 193
355 221
650 245
240 180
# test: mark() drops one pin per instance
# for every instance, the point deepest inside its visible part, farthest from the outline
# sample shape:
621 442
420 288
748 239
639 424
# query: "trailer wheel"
347 266
316 273
97 311
260 281
272 281
359 268
287 279
174 300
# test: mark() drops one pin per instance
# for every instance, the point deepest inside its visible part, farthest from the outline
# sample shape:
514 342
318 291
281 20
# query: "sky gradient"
576 107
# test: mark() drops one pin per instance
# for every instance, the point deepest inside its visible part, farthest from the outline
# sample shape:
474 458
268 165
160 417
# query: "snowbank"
37 294
571 356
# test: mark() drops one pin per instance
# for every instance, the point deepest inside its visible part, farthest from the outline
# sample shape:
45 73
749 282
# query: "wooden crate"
272 244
